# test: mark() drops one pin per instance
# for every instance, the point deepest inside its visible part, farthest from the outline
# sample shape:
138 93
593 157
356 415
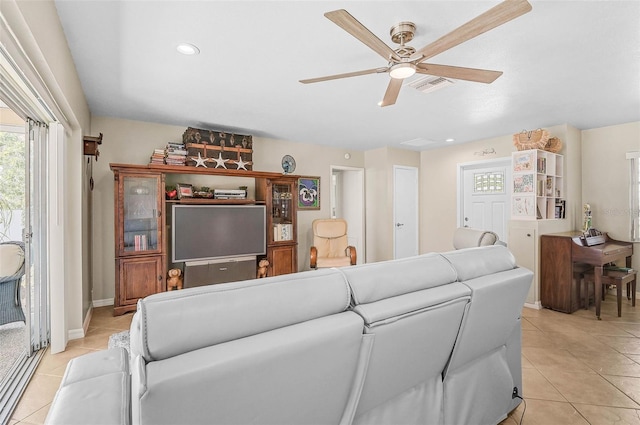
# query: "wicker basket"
534 139
554 145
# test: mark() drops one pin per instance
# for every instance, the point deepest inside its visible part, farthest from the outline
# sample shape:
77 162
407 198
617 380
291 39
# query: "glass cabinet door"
282 211
141 217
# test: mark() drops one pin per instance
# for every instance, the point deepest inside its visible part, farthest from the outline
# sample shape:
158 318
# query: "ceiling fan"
405 61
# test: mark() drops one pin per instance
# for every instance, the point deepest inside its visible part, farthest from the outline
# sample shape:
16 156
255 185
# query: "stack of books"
158 156
230 194
140 243
282 232
176 153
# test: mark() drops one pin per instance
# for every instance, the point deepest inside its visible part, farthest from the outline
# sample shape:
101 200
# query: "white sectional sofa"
432 339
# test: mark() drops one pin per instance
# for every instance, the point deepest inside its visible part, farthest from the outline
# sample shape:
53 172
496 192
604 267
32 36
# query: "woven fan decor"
534 139
554 145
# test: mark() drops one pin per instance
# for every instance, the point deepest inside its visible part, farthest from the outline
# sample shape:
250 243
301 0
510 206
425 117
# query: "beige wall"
132 142
439 180
379 198
605 176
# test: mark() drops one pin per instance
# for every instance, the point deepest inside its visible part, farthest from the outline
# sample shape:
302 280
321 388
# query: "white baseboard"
103 303
87 320
75 334
536 306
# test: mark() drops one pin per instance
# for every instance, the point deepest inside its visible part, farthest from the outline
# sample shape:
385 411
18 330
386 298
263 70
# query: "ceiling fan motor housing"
403 32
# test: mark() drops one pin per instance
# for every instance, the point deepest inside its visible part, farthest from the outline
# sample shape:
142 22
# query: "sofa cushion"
474 262
305 373
172 323
400 277
95 389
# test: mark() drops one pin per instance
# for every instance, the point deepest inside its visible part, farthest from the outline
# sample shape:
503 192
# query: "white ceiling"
575 62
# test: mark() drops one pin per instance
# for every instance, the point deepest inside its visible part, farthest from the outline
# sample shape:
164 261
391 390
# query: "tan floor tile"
609 363
100 341
38 394
621 344
550 359
603 415
38 417
627 384
536 386
539 412
527 325
632 328
588 388
531 338
52 363
526 364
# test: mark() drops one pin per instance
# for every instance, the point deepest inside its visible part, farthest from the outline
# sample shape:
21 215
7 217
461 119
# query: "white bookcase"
537 191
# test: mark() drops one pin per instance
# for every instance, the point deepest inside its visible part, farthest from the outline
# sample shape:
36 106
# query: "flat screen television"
207 232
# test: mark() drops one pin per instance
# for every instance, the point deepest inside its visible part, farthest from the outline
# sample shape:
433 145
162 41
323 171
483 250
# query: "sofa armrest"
95 389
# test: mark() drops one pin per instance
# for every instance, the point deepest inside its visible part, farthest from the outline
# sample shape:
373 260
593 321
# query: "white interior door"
405 211
485 196
347 202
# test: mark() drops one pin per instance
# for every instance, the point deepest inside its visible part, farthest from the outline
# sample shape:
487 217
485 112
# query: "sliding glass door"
23 220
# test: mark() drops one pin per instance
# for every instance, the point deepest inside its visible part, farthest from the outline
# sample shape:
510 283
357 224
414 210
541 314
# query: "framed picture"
309 193
184 190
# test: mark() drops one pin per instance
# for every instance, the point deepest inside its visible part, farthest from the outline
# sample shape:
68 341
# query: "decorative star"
241 164
199 160
219 161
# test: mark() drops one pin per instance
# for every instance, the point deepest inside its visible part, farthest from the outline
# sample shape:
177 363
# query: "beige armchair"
330 247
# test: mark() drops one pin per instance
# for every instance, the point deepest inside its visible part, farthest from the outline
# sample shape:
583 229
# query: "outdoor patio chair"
11 272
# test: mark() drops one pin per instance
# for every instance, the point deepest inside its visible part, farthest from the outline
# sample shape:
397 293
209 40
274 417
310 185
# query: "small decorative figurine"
587 218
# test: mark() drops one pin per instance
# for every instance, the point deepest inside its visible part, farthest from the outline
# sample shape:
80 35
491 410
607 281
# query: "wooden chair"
617 278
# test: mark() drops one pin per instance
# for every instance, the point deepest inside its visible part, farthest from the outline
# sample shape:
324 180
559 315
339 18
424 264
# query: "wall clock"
288 164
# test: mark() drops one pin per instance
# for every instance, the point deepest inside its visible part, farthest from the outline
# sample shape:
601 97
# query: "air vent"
429 83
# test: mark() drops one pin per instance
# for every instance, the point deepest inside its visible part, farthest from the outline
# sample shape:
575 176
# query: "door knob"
399 224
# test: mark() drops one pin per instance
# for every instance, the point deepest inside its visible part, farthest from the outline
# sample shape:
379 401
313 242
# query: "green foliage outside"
12 178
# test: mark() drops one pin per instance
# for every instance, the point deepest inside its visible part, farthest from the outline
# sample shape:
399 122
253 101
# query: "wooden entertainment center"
141 224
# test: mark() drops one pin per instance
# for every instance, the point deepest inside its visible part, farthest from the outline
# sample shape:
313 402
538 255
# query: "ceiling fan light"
187 49
400 71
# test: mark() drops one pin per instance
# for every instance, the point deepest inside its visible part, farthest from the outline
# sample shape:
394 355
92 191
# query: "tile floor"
576 370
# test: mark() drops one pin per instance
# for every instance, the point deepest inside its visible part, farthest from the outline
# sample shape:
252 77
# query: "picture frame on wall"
185 190
309 193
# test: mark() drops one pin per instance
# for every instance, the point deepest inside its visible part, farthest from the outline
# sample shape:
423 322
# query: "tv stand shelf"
141 247
212 201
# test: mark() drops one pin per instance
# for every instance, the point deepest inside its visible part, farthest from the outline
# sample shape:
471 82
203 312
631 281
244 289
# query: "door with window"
485 197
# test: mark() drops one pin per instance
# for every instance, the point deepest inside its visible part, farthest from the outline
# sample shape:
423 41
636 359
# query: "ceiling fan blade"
345 75
344 20
393 89
494 17
459 73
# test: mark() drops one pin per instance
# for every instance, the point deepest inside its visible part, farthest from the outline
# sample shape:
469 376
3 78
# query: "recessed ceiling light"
450 140
187 49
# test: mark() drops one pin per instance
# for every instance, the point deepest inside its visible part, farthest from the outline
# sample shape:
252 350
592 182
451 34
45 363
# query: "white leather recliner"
466 237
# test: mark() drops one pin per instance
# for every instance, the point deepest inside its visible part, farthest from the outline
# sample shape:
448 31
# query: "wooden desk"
558 254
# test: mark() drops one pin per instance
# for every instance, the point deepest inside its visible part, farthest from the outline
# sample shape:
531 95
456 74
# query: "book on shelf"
282 232
140 243
542 165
